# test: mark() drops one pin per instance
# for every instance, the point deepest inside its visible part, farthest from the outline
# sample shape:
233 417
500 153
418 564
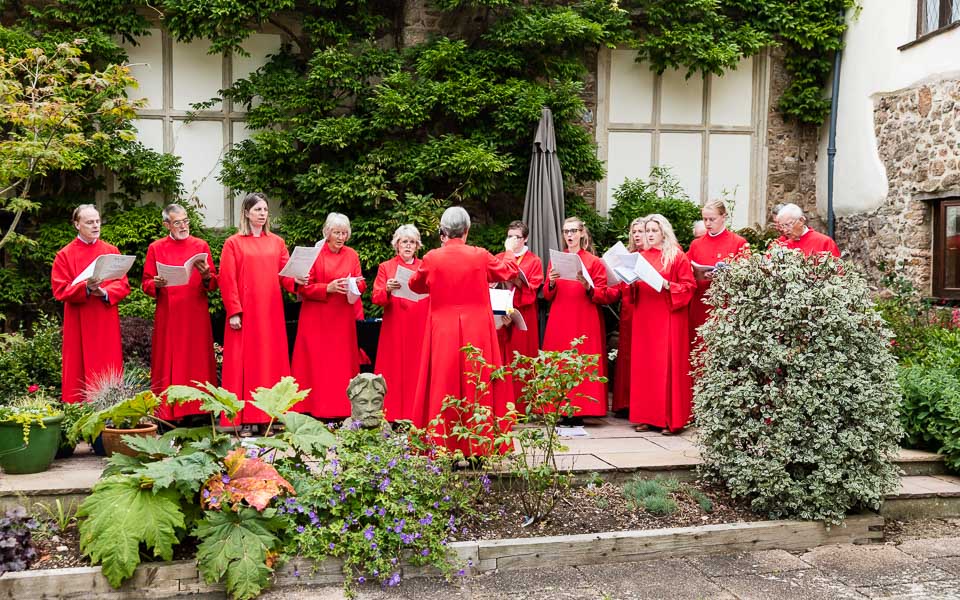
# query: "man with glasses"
182 334
794 233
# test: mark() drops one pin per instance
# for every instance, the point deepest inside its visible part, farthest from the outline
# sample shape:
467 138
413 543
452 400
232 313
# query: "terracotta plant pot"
112 442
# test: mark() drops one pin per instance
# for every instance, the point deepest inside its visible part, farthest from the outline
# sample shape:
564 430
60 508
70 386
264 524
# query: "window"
946 248
172 76
936 14
708 130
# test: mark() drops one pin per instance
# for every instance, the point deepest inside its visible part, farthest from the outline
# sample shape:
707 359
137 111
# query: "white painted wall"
872 64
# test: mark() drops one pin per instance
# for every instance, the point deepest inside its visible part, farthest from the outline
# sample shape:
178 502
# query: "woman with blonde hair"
575 312
718 245
326 355
404 320
621 383
661 393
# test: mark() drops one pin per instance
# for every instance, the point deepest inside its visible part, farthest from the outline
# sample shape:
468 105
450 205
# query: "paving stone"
946 589
671 579
751 563
651 459
805 584
547 581
950 565
863 566
927 485
582 462
932 548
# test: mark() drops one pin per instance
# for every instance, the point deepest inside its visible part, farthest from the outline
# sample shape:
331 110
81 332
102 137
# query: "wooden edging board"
171 579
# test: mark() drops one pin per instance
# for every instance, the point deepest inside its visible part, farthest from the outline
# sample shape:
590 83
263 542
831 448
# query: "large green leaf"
276 401
187 472
236 545
119 516
130 411
307 434
182 434
151 446
121 464
213 399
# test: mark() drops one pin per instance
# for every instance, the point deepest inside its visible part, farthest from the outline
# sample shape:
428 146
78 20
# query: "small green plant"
28 410
111 387
706 504
61 514
652 495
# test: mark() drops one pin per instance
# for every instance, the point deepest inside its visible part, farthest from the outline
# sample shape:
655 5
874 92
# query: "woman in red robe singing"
401 333
326 355
457 278
575 312
621 383
255 352
718 245
661 392
91 322
182 349
511 339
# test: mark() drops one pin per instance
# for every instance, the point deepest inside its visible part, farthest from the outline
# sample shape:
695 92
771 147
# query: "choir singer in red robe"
91 322
401 333
621 384
796 235
575 312
718 245
661 392
326 356
457 276
255 350
182 334
511 339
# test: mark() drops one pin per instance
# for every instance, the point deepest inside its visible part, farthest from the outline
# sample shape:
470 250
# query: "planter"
34 457
112 442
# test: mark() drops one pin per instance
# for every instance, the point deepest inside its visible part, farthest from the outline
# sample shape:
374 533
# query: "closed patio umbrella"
543 204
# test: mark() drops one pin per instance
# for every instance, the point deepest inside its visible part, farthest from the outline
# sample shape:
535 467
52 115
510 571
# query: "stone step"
924 496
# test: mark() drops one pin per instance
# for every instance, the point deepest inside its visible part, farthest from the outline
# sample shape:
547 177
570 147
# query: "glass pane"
629 154
731 96
200 145
951 264
681 101
681 152
146 64
728 175
931 15
955 11
631 89
197 76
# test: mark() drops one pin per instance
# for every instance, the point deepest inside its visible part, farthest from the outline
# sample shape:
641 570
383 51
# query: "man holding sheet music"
179 272
91 322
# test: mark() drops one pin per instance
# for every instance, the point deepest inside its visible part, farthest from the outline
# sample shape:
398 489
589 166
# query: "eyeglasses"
180 223
787 224
571 231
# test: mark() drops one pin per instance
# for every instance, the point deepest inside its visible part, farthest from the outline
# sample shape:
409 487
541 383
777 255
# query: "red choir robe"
326 355
182 333
512 339
256 355
573 313
457 278
811 242
661 390
401 341
709 250
91 324
621 383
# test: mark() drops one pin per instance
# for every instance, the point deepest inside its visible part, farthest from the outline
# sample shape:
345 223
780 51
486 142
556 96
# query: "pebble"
62 548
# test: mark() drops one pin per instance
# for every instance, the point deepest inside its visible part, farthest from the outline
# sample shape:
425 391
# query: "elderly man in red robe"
182 333
457 277
91 322
795 234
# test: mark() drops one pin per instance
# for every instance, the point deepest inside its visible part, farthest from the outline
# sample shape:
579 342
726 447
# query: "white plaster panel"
150 133
146 64
728 174
260 46
681 152
197 76
630 154
201 146
681 100
631 89
731 96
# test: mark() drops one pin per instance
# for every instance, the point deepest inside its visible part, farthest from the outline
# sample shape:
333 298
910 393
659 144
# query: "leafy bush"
17 551
916 322
136 336
31 358
796 393
378 503
659 193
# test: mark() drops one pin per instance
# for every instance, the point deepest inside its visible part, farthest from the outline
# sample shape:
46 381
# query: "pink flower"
33 388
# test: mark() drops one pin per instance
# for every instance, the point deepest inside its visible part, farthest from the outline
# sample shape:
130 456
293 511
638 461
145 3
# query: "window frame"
938 259
943 21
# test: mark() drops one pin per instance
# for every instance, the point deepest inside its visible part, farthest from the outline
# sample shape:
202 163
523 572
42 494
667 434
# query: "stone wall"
917 132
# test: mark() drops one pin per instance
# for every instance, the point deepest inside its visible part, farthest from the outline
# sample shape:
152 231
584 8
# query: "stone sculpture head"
366 392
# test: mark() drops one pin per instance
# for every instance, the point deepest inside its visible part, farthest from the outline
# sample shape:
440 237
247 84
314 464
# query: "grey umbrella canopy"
543 204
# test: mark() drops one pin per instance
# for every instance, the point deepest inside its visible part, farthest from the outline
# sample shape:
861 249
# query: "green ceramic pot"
34 457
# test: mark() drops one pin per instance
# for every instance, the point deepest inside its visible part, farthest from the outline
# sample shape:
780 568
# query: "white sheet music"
106 267
567 264
301 261
648 273
353 290
501 300
403 277
179 274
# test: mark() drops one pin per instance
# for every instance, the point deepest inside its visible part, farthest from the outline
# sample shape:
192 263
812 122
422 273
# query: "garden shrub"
659 193
796 394
31 358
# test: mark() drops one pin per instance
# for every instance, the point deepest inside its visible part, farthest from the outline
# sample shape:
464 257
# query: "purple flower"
336 487
296 572
373 545
392 463
427 520
368 512
225 479
394 580
436 504
312 515
299 528
361 579
406 539
331 546
382 512
425 552
376 459
291 500
485 482
368 533
206 493
383 484
352 490
333 501
461 572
